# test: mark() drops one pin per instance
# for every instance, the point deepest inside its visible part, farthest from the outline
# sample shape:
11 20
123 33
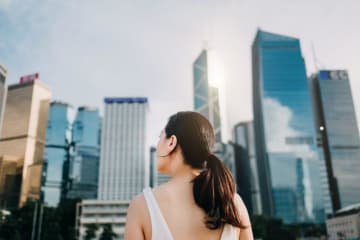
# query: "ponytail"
214 187
214 190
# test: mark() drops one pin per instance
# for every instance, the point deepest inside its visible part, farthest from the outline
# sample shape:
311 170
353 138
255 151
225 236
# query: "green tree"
91 230
67 213
271 229
24 219
107 233
8 229
50 226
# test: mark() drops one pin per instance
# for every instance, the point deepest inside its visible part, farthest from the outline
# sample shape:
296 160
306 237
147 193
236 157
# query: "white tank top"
160 229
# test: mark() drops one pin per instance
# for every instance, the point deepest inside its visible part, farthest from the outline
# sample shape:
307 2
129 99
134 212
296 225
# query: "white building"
124 167
101 212
345 224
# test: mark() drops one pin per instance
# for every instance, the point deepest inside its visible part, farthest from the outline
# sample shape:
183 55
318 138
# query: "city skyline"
281 89
134 55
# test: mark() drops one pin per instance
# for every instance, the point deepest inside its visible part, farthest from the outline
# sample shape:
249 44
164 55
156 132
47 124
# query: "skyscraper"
3 90
338 135
206 94
244 137
56 153
23 135
85 161
123 170
283 122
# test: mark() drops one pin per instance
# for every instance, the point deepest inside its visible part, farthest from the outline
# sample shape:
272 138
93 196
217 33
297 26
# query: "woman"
199 202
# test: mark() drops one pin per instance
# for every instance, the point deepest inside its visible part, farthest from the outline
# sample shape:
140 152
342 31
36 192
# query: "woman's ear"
172 142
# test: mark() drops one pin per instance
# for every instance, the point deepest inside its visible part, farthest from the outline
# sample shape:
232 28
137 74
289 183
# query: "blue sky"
86 50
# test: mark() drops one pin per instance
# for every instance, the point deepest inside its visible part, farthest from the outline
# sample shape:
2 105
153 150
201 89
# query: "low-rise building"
345 224
101 213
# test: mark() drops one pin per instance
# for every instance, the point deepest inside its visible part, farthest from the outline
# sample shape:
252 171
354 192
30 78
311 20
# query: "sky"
87 50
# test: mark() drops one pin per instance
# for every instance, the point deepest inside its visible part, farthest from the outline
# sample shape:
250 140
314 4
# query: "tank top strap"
159 228
229 232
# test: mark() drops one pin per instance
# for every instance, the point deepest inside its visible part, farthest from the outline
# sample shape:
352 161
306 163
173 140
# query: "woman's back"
175 215
199 202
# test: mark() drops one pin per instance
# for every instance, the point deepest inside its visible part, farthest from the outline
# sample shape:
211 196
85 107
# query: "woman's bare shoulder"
243 212
137 218
137 204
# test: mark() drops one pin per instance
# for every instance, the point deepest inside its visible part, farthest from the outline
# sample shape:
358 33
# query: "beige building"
345 224
22 140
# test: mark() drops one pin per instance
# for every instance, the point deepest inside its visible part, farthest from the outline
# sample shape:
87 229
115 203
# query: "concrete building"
101 212
344 224
124 171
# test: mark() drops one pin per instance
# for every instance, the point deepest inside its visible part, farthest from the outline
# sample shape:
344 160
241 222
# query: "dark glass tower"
338 136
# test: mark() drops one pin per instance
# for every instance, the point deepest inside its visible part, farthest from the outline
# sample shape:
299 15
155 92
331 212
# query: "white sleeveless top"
160 229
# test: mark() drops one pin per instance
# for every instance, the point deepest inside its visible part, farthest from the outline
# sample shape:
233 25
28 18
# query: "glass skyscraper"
338 136
85 160
283 124
56 154
206 96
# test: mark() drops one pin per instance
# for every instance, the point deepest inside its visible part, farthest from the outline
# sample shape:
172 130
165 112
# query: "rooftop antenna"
314 57
317 63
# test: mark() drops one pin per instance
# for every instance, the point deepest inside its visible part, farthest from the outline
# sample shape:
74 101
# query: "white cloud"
278 119
278 129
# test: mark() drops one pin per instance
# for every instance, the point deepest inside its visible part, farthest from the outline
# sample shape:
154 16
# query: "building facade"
206 94
124 171
283 122
244 137
100 213
56 153
23 136
242 175
338 137
344 224
84 171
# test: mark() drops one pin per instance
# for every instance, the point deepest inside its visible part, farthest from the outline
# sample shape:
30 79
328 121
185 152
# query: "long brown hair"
214 187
